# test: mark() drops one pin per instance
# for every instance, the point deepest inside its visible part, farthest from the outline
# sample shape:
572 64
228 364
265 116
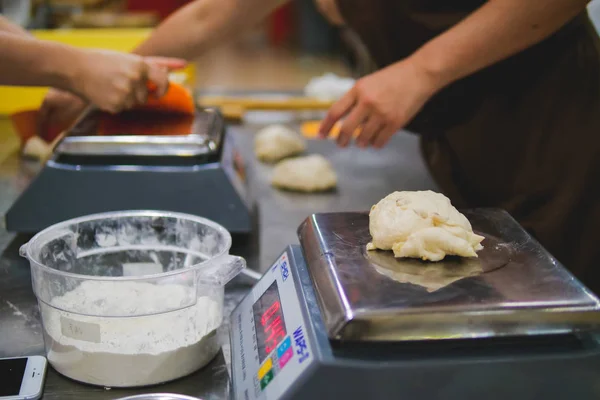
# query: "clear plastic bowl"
131 298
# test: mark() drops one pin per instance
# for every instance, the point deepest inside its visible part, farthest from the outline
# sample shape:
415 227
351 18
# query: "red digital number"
273 326
269 313
276 332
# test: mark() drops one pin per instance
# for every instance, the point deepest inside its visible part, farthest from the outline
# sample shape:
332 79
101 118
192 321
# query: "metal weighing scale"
194 169
330 320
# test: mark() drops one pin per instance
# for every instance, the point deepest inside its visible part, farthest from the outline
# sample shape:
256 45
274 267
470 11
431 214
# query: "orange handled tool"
178 99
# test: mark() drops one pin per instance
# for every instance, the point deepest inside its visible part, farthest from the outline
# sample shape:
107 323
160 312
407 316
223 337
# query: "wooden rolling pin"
236 107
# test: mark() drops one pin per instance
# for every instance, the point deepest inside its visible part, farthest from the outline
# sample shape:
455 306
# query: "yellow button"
266 367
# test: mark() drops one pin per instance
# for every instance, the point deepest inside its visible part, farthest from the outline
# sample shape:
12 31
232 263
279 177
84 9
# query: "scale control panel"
270 345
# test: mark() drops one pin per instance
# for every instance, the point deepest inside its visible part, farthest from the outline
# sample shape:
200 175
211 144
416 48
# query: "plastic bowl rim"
129 213
159 396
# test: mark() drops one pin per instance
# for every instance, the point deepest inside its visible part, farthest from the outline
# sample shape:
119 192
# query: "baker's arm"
110 80
187 33
384 102
30 62
9 27
204 24
497 30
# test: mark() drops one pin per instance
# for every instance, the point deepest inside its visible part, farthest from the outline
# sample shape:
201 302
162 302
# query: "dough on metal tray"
305 174
276 142
421 224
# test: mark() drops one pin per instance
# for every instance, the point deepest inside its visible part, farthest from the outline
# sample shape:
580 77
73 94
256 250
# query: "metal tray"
182 146
514 288
204 137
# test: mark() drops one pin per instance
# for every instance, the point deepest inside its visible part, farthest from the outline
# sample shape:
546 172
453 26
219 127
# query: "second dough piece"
276 142
305 174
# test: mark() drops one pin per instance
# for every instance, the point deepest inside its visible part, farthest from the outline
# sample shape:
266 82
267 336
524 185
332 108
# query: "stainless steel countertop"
365 176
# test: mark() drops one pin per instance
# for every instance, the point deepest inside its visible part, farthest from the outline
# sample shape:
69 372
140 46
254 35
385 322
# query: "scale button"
266 380
266 367
287 356
284 346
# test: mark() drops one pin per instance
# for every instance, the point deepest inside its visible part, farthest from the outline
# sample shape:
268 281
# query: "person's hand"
59 109
380 104
115 81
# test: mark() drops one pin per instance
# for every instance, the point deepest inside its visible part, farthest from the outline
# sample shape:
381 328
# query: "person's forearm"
204 24
8 27
497 30
30 62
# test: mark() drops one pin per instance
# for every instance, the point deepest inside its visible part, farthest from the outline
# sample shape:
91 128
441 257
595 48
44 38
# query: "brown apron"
522 135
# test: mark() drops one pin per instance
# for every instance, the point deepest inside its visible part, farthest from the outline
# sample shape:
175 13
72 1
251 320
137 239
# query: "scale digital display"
268 321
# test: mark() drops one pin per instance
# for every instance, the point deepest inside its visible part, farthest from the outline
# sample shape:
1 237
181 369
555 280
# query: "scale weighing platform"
331 320
139 160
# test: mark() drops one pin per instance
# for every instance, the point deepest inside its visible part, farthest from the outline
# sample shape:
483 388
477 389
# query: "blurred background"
295 34
297 23
281 54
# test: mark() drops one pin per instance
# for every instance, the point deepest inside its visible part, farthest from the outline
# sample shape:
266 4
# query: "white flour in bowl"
130 351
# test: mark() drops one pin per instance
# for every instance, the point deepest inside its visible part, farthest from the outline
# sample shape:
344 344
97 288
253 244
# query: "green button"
266 380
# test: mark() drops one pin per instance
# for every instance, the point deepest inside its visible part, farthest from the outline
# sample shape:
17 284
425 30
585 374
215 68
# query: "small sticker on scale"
142 268
80 330
281 261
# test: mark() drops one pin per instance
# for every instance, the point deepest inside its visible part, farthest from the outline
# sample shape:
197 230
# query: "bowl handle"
225 269
23 250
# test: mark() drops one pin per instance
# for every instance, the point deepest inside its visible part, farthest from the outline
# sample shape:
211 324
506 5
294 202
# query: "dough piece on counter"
36 148
421 224
305 174
276 142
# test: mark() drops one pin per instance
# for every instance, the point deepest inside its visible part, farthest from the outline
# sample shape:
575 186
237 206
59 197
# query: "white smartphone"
22 378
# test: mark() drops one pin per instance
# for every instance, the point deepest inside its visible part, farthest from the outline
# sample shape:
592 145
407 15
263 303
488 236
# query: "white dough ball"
276 142
305 174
